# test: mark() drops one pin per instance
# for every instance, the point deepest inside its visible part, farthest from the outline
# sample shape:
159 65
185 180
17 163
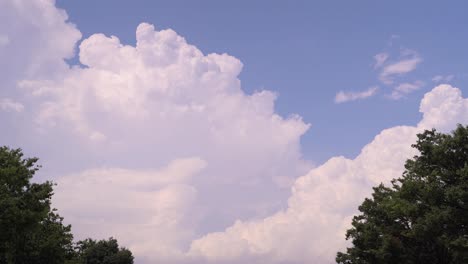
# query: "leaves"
26 218
108 251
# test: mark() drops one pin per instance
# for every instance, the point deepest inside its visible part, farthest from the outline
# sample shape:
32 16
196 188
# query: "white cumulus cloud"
312 228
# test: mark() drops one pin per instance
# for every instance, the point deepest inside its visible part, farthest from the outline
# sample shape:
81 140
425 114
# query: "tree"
30 231
423 216
90 251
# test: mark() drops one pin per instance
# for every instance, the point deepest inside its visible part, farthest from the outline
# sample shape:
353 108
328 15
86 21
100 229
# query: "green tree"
30 231
423 216
90 251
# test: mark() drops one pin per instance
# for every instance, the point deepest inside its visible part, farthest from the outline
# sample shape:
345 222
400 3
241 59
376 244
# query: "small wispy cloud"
342 96
393 38
7 104
401 67
390 70
405 88
443 78
380 59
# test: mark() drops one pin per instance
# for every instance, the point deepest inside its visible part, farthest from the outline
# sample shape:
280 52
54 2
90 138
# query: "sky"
226 132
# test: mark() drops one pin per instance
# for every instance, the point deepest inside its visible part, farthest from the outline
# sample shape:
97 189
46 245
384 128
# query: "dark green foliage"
102 252
30 231
423 216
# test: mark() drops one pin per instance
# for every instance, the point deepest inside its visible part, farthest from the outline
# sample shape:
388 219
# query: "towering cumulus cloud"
158 145
152 143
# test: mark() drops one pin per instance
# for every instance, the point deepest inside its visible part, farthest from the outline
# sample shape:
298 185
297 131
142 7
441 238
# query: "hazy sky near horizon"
226 132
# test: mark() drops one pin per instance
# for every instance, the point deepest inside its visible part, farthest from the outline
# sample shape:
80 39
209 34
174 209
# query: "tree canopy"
90 251
423 216
31 231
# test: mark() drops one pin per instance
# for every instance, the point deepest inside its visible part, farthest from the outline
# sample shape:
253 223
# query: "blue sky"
307 51
182 127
